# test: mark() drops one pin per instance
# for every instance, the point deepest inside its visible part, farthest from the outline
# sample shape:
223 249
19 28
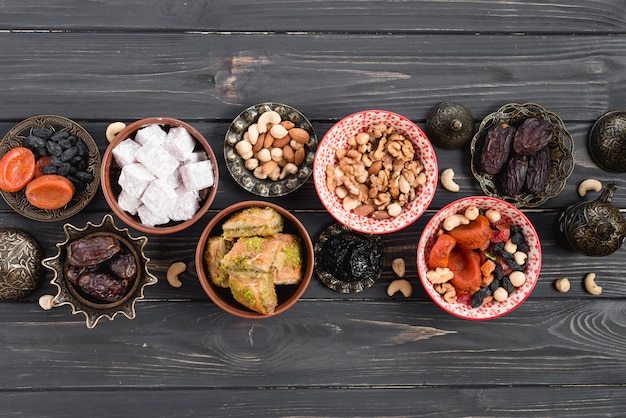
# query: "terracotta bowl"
337 138
288 295
509 213
110 172
93 308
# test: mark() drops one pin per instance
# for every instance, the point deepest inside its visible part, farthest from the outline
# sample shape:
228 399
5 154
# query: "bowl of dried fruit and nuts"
269 149
49 168
159 175
523 154
375 171
479 258
100 270
254 259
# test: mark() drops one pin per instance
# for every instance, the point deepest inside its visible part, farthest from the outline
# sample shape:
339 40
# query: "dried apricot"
49 191
473 236
17 168
440 253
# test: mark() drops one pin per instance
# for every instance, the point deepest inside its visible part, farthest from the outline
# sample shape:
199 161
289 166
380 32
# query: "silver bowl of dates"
522 154
60 147
100 271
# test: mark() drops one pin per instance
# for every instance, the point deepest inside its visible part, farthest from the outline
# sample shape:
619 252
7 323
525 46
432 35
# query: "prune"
513 176
496 148
123 265
351 256
531 136
102 286
538 170
91 251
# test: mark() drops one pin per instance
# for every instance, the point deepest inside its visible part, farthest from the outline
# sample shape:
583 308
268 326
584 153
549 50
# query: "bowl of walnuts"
375 171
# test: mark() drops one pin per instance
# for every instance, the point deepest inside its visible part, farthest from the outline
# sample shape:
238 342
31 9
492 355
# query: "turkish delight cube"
196 156
128 203
124 152
197 176
134 179
150 218
156 159
150 133
186 206
159 197
179 143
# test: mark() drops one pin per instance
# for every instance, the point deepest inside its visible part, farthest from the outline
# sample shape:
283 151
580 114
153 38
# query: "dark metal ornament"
593 228
21 270
607 141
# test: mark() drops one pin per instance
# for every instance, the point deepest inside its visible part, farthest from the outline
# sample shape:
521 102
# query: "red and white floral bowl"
510 214
337 137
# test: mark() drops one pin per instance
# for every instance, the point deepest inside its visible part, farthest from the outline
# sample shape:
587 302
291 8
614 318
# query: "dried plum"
351 257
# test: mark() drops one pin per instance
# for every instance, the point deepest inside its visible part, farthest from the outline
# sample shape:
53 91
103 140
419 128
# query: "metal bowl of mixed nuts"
375 171
523 154
269 149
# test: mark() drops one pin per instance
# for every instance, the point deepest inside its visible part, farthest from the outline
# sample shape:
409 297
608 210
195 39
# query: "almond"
288 154
365 210
380 214
281 142
299 156
259 143
375 167
268 141
287 124
300 135
269 166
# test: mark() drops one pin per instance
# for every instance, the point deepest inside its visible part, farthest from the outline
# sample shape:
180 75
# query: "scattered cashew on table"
173 272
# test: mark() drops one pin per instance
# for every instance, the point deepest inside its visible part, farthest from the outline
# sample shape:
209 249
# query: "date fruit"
123 265
496 148
102 286
514 175
532 135
538 170
91 251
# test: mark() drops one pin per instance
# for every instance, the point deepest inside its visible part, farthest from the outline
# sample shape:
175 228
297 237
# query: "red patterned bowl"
509 213
337 138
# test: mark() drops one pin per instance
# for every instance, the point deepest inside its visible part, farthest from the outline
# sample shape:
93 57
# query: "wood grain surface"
332 354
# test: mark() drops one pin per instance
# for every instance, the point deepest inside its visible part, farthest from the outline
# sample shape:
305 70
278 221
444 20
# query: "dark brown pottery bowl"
111 172
69 294
561 153
18 135
288 295
607 141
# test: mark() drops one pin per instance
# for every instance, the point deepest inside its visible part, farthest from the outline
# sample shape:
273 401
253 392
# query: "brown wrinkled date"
518 157
100 267
378 174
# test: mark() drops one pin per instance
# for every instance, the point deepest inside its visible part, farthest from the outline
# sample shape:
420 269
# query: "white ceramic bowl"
337 137
510 214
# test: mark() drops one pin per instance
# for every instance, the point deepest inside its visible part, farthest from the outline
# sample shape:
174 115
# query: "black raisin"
523 247
477 299
507 285
83 151
78 184
498 272
33 142
68 154
59 135
54 148
84 176
49 169
55 160
40 152
64 169
42 132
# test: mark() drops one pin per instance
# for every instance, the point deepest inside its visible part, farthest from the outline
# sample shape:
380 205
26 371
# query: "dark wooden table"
366 354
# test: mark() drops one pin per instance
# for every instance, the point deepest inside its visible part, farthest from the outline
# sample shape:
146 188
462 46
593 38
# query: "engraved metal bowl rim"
561 151
594 138
235 164
17 200
93 312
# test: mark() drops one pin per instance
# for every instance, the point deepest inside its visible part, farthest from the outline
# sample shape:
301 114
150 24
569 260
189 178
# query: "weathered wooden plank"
597 401
310 15
315 344
211 76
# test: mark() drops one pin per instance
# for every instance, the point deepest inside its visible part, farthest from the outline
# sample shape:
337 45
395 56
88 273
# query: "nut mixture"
378 174
273 148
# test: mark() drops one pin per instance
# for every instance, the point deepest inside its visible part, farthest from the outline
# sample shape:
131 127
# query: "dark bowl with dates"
522 154
100 271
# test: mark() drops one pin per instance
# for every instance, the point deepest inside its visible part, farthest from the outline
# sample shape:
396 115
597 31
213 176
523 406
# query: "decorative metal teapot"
595 228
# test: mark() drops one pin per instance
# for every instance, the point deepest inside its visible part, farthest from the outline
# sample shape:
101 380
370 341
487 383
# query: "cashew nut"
173 272
587 185
453 221
401 285
269 117
447 180
45 302
398 266
590 284
562 285
114 129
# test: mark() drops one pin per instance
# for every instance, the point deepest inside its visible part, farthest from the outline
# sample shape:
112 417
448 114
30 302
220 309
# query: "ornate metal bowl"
607 141
16 137
93 310
244 177
21 271
561 153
